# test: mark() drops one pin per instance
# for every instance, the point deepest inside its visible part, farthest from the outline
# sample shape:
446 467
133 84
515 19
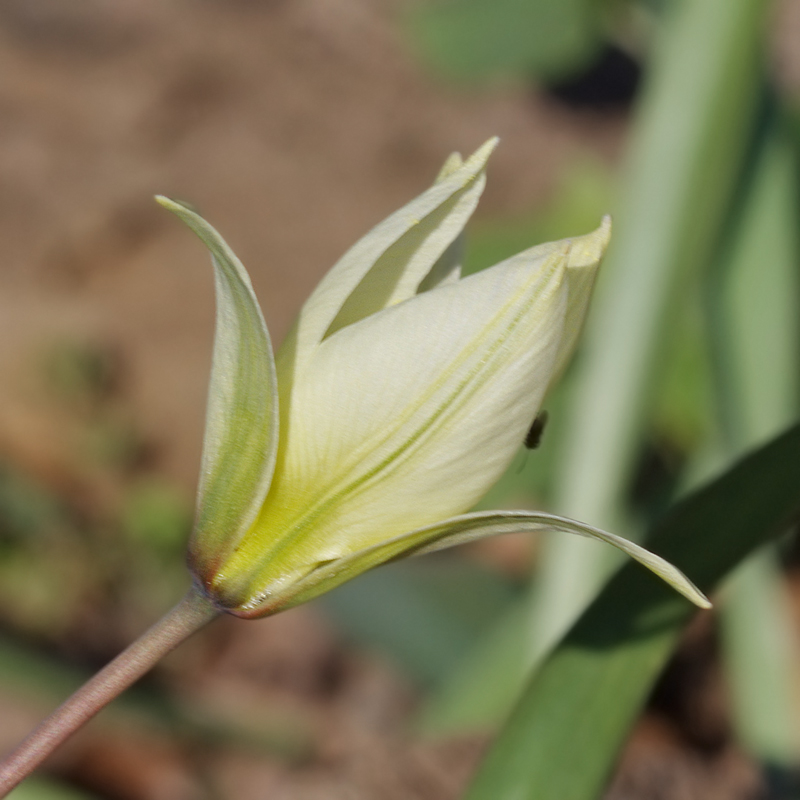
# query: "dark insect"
534 436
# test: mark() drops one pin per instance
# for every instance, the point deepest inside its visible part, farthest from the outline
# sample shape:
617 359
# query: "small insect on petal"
534 436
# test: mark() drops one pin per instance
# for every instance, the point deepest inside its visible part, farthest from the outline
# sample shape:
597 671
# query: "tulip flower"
399 397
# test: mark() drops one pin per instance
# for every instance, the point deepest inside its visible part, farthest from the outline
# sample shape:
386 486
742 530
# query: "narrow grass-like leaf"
695 122
688 145
574 715
753 301
760 652
475 39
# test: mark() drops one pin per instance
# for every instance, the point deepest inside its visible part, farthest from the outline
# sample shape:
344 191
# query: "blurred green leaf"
760 652
694 125
683 410
423 614
574 715
753 302
753 298
691 133
157 516
473 39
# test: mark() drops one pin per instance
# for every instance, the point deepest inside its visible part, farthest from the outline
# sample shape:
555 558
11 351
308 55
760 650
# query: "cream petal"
412 413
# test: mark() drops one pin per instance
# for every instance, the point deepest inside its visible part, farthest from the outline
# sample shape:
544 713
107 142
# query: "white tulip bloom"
399 397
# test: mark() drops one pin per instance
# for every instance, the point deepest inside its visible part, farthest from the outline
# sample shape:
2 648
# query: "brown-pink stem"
188 616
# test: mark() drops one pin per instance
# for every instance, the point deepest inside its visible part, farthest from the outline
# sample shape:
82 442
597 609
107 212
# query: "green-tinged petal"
405 418
241 435
480 525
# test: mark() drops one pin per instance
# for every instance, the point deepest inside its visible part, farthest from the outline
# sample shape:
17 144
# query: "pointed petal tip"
163 200
479 158
603 234
685 587
588 250
478 525
178 207
488 147
700 600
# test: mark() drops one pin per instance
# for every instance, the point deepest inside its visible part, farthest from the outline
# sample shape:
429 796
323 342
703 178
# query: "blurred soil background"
294 127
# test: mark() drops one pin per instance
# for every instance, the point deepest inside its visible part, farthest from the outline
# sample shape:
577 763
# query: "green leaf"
241 437
695 122
475 39
574 715
423 614
753 300
691 133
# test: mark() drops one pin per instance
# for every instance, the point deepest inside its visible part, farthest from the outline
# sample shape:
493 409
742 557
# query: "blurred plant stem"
689 139
753 313
188 616
692 130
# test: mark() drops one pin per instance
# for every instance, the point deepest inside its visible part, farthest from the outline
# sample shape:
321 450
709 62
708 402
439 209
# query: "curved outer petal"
405 417
469 528
241 436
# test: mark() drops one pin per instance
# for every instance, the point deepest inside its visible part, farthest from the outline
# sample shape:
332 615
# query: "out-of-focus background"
294 127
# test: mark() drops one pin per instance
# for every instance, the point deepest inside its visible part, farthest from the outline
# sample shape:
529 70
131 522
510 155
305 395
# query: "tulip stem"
188 616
